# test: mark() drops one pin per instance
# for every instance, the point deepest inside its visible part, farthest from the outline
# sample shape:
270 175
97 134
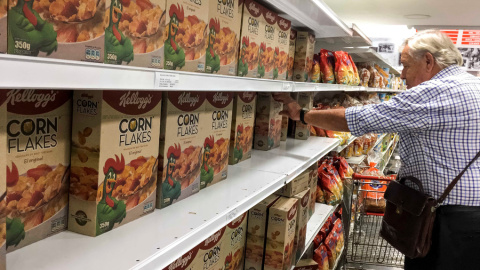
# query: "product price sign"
166 80
232 214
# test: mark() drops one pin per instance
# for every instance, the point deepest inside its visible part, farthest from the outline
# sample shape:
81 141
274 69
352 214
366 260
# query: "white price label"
232 214
166 80
286 86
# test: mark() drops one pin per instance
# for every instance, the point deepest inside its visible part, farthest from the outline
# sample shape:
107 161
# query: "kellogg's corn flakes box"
282 48
268 122
187 35
302 220
303 62
209 255
266 62
63 29
291 54
223 38
234 241
114 158
136 33
3 180
251 38
37 162
181 146
218 111
3 26
243 121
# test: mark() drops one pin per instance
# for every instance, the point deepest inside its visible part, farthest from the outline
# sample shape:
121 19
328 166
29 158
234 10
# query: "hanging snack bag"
316 76
330 187
320 255
364 77
327 64
338 227
356 77
320 198
330 245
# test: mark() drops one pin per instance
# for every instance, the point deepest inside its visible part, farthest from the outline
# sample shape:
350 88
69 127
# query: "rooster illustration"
206 174
118 48
228 262
212 60
15 227
261 64
174 54
242 63
171 188
238 151
275 70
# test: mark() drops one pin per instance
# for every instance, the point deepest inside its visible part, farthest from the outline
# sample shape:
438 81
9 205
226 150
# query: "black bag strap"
452 184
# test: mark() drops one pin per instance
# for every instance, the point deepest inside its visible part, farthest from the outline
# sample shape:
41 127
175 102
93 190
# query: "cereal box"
187 35
284 131
243 120
268 123
303 61
251 33
305 100
184 262
136 33
313 173
64 29
266 62
3 26
38 160
114 158
282 48
257 229
3 178
302 220
291 54
216 136
224 32
279 250
306 264
234 241
209 255
181 146
297 185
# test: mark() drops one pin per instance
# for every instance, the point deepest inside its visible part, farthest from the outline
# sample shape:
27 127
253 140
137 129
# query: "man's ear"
430 61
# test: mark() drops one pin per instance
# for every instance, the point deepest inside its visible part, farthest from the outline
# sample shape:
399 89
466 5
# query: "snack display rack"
368 54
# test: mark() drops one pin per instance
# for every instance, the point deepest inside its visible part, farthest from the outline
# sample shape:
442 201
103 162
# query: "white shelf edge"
356 160
340 148
389 157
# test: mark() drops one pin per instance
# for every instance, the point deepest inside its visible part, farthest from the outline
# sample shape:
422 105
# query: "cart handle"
372 177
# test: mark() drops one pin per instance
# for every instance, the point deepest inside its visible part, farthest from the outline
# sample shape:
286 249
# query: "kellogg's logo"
30 96
305 199
184 261
213 239
254 9
132 102
293 35
220 99
292 213
271 18
130 98
247 97
30 102
185 97
284 24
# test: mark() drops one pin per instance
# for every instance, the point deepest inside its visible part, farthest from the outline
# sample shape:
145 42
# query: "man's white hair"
436 43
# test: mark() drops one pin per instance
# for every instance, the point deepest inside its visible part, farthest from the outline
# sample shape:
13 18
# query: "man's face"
414 71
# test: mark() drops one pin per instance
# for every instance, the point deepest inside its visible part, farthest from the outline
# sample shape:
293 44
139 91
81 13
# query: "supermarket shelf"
155 240
356 160
312 14
388 147
367 54
357 39
389 157
379 140
339 148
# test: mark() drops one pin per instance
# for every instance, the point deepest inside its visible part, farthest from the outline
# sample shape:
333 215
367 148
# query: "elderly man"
438 120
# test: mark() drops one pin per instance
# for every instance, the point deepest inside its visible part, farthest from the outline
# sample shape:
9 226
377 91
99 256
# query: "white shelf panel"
47 73
356 160
339 148
367 54
357 39
155 240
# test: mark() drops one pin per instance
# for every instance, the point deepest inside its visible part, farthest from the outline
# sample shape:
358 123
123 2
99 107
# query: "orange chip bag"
320 255
327 63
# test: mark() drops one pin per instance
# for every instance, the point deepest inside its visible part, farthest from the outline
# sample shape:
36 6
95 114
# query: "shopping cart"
365 246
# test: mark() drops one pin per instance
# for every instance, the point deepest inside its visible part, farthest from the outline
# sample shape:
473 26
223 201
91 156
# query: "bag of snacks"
327 64
338 227
320 198
358 147
355 76
330 188
364 77
343 71
320 255
316 78
331 244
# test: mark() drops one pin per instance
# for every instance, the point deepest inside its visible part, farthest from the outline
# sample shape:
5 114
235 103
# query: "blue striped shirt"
439 126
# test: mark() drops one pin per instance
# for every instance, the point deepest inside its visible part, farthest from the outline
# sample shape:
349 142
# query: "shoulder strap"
452 184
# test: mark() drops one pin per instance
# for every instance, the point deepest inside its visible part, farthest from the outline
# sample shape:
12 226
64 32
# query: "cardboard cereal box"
284 131
282 48
243 121
187 35
251 33
224 32
303 61
291 54
181 146
279 249
234 241
305 100
302 220
3 178
266 62
71 30
268 123
306 264
114 158
136 33
3 26
256 231
209 255
184 262
37 162
313 173
297 185
216 136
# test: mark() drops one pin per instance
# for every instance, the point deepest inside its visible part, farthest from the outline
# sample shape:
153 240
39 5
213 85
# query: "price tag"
166 80
286 86
232 214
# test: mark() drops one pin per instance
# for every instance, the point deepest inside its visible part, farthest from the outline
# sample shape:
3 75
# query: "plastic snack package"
331 244
330 188
374 200
356 77
338 227
341 68
316 74
320 197
327 66
358 147
320 255
364 77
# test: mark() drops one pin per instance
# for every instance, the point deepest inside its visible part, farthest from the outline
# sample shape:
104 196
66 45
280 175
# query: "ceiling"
443 12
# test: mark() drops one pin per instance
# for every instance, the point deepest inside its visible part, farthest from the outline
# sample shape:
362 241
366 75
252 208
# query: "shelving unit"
357 39
367 54
155 240
356 160
341 147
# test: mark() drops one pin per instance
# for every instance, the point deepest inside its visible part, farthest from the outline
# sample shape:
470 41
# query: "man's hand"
291 107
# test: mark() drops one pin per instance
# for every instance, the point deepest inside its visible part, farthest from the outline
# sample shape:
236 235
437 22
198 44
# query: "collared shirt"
439 126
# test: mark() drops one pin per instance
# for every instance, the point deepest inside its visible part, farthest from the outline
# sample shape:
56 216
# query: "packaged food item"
330 245
356 77
306 264
374 201
338 227
297 185
71 30
268 122
243 121
302 220
185 261
3 178
37 164
364 77
320 256
114 154
223 39
327 66
305 44
279 250
320 198
188 34
313 173
209 254
316 74
358 147
343 69
216 132
234 241
181 146
291 54
329 186
3 25
305 100
251 33
282 49
257 229
284 131
266 62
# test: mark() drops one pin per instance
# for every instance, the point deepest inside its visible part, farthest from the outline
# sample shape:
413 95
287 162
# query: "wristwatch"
303 111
